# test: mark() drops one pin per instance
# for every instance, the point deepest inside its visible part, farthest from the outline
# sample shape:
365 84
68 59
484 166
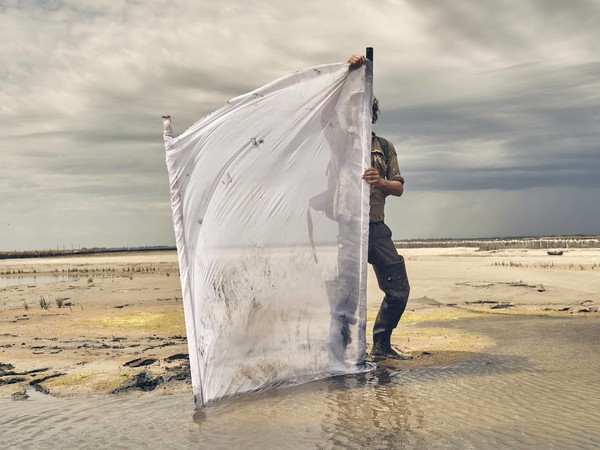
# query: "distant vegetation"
80 251
486 244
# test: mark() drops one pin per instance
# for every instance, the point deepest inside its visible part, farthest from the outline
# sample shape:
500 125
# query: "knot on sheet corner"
167 130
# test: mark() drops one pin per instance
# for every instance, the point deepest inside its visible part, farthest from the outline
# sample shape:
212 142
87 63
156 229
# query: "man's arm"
390 187
371 176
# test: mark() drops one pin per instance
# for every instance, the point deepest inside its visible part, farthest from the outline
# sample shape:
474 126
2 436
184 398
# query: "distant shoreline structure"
487 244
483 244
82 251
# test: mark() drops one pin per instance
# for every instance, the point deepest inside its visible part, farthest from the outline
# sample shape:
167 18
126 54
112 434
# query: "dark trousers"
392 279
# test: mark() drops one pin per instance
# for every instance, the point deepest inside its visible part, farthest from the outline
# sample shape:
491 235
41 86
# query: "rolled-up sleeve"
393 170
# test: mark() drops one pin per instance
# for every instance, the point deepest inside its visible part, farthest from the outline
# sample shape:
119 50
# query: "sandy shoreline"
122 314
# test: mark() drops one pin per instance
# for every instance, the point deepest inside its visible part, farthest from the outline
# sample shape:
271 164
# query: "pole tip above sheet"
167 130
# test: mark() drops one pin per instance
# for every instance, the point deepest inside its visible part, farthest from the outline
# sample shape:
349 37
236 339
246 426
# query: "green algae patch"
432 315
88 381
423 330
170 322
439 315
424 338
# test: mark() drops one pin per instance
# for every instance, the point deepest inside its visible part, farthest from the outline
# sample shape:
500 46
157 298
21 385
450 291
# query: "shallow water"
7 281
537 388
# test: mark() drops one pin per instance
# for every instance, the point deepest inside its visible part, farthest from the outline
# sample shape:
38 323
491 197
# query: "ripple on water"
535 388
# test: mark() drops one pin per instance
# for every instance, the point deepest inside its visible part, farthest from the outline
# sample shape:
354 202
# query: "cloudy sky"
494 107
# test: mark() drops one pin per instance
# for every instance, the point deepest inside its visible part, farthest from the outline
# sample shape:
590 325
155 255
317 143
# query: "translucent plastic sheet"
271 221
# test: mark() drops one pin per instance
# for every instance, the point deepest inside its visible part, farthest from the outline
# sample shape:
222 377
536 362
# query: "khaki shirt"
388 169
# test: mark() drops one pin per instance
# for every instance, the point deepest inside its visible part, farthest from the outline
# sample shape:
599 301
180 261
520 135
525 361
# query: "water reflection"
26 280
536 389
373 409
385 408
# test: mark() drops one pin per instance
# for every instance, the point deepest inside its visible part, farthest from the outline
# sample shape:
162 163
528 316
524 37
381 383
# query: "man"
384 178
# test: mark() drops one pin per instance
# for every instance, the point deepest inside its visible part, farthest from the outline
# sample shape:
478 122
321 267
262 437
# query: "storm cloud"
492 106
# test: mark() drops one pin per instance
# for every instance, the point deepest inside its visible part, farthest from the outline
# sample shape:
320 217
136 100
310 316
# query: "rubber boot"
382 348
393 281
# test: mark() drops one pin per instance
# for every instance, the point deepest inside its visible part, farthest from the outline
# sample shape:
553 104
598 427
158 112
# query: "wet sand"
116 323
119 315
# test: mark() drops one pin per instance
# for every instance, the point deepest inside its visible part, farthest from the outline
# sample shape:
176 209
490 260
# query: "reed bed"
564 242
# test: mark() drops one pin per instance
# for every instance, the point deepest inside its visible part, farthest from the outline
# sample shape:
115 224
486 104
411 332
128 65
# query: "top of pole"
370 53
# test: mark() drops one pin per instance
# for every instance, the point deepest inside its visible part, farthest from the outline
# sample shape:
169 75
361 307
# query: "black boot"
382 348
393 281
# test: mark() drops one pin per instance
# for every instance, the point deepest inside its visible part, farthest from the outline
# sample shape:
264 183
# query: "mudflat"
110 323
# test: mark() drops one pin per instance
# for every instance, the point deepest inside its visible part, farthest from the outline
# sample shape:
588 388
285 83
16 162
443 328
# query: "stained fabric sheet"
271 221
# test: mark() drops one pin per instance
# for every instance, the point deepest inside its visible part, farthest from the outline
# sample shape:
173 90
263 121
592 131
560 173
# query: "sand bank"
111 318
